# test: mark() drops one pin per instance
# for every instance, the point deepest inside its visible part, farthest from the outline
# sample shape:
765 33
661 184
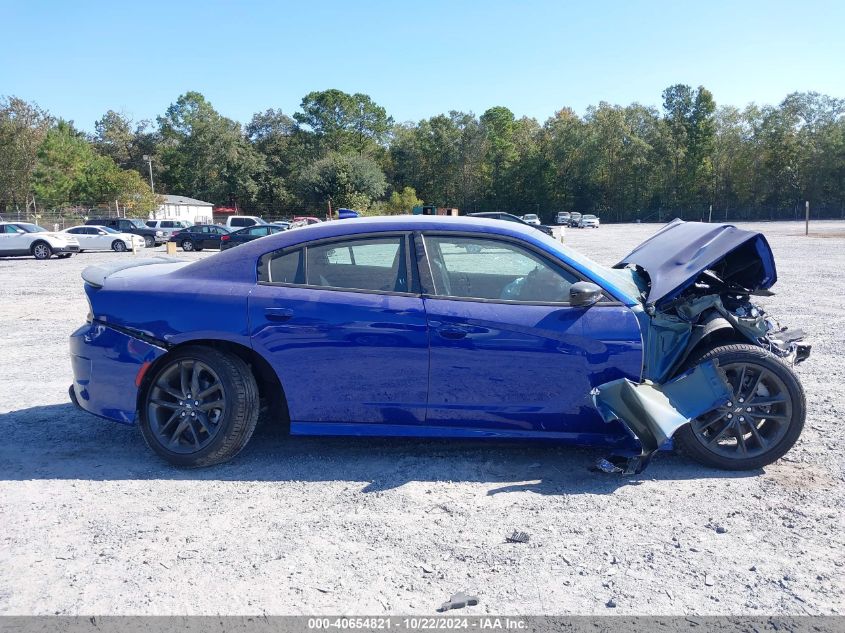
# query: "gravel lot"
92 523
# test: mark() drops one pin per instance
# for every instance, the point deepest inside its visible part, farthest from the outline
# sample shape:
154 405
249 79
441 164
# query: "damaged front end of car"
695 283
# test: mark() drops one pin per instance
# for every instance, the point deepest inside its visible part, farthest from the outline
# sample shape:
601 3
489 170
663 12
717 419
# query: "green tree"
23 127
402 201
285 151
207 156
498 124
691 123
344 181
343 122
69 171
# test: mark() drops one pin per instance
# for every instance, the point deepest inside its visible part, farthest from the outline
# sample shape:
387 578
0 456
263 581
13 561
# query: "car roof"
240 264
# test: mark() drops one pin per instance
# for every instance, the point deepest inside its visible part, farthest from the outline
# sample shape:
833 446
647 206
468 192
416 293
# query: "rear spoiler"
97 275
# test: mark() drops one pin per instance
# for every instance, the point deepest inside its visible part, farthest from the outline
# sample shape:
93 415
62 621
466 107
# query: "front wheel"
187 245
42 250
200 407
118 246
762 420
149 242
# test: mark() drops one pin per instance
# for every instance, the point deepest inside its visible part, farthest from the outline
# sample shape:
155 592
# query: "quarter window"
282 268
480 268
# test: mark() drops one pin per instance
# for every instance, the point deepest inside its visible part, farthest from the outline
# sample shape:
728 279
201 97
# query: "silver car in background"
588 222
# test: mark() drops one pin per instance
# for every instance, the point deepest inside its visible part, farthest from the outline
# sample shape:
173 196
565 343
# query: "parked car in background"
24 238
588 222
562 218
300 221
196 238
281 224
152 237
102 238
239 221
532 219
247 234
507 217
574 218
448 343
168 227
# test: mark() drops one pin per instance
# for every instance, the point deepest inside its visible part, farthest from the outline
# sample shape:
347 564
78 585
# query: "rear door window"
376 264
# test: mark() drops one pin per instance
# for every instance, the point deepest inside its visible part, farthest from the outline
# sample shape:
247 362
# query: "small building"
184 208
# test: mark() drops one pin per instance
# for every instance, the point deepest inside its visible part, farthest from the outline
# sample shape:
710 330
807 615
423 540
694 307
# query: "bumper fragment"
106 364
652 413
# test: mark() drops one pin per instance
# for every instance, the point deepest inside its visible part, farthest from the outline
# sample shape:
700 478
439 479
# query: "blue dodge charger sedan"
448 327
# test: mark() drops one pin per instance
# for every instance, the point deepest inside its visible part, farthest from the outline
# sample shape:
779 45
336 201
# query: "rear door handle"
278 314
452 332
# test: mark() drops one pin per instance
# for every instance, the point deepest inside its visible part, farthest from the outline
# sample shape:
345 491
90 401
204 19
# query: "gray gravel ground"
92 523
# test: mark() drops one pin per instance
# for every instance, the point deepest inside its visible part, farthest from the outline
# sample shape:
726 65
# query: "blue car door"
342 326
508 355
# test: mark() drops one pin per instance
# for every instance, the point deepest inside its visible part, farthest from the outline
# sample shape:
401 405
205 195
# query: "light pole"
149 160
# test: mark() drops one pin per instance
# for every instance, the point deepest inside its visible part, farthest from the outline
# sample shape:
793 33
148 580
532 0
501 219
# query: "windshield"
138 224
530 216
107 229
31 228
588 217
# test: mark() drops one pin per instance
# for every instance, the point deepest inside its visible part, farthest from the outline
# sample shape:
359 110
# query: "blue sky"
417 59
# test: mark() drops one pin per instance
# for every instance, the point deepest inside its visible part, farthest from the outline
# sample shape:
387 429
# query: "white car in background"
24 238
168 227
588 222
532 219
240 221
103 238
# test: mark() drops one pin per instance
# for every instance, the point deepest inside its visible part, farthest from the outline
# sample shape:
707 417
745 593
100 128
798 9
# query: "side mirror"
583 294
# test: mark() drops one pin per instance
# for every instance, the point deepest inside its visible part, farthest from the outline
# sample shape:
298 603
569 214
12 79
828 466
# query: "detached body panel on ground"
420 326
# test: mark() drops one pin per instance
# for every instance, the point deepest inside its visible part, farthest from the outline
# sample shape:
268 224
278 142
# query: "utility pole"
807 217
149 160
710 216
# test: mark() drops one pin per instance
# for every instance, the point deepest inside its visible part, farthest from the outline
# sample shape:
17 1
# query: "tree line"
689 158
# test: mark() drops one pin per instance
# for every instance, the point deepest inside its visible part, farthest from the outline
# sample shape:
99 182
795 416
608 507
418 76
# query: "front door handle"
278 314
452 333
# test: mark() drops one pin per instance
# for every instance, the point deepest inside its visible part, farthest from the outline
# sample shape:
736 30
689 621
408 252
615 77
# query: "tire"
715 439
118 246
149 242
187 246
210 436
41 250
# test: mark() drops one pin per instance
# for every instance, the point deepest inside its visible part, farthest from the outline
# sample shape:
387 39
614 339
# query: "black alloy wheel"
200 407
761 421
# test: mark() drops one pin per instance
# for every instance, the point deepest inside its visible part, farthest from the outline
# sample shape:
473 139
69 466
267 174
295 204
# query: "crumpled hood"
678 253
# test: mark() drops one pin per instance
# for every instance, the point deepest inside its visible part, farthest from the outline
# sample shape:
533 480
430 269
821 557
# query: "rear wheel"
149 242
42 250
119 246
200 408
760 423
187 245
